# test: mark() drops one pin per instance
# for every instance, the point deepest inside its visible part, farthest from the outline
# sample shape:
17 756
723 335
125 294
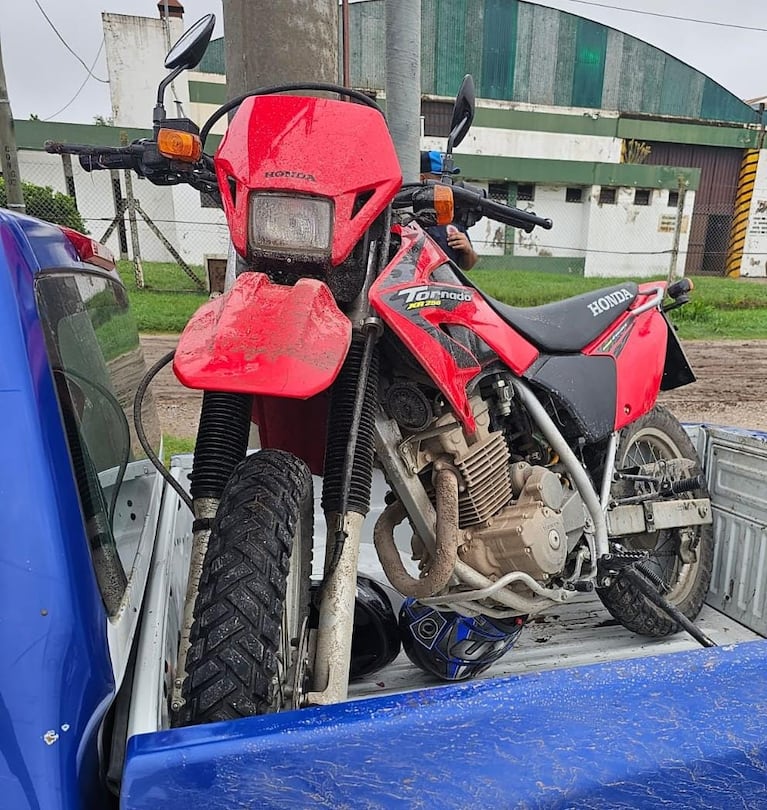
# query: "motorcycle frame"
215 331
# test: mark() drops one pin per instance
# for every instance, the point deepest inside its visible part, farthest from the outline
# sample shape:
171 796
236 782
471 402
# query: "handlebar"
516 217
145 159
93 158
472 200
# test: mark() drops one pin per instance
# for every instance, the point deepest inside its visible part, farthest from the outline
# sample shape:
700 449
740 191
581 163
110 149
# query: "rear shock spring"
339 427
222 441
645 568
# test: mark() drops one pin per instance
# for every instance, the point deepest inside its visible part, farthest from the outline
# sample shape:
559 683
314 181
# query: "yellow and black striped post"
746 181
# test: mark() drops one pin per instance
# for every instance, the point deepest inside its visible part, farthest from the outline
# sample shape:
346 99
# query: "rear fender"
676 370
265 338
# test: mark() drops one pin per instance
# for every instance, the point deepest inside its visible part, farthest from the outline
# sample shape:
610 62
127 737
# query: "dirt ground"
731 387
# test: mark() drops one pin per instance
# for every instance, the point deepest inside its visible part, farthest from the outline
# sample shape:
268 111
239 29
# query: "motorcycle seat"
570 325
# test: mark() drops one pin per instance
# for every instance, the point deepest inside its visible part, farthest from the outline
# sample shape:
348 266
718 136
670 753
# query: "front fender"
265 338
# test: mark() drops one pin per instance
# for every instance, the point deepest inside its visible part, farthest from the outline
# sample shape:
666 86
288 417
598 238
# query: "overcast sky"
43 76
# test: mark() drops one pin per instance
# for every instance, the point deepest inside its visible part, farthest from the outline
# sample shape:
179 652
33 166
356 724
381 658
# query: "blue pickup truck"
93 572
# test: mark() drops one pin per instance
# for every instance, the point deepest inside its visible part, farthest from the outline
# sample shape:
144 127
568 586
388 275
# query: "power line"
80 88
66 45
668 16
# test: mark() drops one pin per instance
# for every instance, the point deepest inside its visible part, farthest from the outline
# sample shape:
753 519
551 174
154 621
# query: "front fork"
348 478
332 658
345 501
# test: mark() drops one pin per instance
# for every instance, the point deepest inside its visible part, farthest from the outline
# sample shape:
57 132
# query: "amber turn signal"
443 204
179 145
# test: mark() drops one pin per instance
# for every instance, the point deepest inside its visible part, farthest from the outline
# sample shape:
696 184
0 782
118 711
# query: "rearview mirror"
190 47
184 55
463 112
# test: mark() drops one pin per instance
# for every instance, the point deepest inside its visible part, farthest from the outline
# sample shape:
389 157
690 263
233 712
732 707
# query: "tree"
45 203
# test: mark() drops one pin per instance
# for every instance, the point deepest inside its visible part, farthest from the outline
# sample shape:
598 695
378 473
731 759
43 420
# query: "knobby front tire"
254 592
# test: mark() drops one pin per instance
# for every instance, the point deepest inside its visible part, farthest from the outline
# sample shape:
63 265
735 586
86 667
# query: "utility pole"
279 43
10 157
403 83
673 269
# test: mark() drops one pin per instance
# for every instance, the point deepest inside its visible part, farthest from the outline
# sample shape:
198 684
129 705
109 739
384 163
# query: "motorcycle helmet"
451 646
375 637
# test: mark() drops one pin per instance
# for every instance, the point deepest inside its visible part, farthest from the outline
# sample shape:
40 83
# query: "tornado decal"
742 207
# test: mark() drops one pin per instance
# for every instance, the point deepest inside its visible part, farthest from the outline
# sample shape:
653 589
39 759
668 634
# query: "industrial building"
635 155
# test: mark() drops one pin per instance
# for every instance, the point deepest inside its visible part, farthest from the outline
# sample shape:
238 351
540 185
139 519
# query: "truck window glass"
97 363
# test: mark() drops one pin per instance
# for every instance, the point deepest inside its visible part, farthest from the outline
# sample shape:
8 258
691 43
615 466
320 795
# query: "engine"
514 515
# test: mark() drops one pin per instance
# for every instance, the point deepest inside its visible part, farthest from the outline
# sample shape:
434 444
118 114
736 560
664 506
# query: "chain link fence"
598 231
609 231
135 219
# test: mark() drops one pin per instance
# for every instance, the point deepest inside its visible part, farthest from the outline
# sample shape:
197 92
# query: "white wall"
568 237
200 112
754 262
625 239
538 145
200 231
135 51
621 239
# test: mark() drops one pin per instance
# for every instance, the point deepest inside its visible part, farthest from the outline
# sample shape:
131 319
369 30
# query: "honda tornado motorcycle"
523 448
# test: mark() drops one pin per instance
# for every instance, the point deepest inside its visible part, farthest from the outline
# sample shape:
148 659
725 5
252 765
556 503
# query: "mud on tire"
237 663
659 434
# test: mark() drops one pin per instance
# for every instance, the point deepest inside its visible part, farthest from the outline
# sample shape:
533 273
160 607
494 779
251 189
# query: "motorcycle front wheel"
253 597
659 436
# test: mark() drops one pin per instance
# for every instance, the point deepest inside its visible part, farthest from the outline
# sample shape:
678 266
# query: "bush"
45 203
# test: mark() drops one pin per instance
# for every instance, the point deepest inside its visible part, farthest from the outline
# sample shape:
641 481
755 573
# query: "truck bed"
579 633
582 631
581 713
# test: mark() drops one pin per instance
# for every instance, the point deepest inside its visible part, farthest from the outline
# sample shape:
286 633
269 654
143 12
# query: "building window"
642 196
498 191
525 192
673 199
607 196
436 118
574 194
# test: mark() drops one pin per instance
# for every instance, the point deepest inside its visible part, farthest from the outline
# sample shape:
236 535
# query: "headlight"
290 224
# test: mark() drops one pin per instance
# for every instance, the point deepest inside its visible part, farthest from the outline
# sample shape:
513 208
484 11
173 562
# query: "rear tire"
254 592
659 435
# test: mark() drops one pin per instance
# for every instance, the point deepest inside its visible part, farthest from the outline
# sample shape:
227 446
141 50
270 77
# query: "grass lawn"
721 308
167 301
173 445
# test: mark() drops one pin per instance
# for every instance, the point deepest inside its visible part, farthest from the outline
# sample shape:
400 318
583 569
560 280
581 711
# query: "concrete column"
278 43
9 160
403 82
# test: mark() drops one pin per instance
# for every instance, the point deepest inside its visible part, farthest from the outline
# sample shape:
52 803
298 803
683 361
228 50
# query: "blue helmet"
451 646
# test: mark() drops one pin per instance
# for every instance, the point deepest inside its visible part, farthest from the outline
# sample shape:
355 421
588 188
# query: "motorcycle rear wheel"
658 435
253 597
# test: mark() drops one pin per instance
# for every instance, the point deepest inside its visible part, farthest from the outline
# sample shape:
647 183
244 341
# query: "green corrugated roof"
519 51
214 60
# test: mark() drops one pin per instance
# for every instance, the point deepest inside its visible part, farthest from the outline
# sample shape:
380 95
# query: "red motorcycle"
523 446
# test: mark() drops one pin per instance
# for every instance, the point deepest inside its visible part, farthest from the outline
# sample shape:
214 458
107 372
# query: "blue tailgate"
684 730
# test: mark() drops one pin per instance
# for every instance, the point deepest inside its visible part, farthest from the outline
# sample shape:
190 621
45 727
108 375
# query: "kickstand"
636 579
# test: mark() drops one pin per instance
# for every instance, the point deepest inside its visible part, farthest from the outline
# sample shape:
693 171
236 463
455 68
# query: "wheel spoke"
657 438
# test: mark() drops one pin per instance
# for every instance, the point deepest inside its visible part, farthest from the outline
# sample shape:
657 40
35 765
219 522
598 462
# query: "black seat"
569 325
